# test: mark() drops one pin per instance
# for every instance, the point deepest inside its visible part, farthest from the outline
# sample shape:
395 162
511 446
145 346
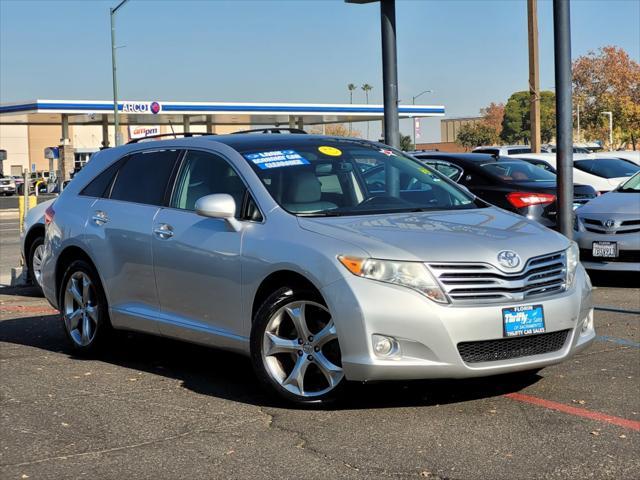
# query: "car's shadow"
601 278
230 376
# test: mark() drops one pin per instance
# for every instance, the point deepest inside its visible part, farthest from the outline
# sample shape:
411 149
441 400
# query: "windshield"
607 167
631 185
513 172
321 177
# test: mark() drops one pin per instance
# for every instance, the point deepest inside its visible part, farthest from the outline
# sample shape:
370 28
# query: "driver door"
197 259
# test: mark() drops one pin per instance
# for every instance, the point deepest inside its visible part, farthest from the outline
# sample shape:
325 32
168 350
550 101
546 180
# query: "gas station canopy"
86 112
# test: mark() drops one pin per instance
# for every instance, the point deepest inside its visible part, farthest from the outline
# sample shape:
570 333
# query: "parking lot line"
580 412
619 341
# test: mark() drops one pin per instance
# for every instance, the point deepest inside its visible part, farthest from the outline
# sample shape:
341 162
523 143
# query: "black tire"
32 249
270 306
103 330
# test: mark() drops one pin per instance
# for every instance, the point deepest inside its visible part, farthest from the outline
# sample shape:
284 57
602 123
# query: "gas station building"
81 127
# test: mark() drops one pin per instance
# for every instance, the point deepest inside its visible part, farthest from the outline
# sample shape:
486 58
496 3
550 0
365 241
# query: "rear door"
119 229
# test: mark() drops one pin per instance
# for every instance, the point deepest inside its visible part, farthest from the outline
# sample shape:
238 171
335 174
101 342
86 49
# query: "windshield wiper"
328 213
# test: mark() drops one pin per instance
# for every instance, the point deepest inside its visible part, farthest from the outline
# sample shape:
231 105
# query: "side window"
99 185
144 176
452 171
203 174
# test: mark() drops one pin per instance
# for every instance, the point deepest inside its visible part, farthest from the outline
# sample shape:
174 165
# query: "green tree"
516 124
405 143
474 134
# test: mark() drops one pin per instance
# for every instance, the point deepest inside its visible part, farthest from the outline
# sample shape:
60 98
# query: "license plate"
604 249
524 320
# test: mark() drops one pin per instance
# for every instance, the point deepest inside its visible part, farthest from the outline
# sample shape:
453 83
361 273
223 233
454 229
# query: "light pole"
116 123
413 120
610 114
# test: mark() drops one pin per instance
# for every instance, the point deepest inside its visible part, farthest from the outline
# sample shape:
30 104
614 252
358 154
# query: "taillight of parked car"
526 199
49 213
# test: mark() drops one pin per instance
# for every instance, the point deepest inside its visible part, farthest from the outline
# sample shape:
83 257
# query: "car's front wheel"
83 307
294 347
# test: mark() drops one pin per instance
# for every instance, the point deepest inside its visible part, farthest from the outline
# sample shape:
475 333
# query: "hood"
458 236
613 203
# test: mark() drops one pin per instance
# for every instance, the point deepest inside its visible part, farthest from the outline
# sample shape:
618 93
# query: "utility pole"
564 114
534 75
116 122
413 119
578 120
610 114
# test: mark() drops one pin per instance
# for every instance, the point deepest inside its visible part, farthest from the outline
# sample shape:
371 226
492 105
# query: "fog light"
385 346
587 324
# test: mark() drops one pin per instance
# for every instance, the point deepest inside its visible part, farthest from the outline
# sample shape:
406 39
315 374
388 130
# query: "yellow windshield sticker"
331 151
425 170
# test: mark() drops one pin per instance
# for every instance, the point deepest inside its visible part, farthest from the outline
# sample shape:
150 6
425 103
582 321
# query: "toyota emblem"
508 259
609 224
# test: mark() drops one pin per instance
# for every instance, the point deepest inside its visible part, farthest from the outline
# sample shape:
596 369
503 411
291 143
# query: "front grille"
484 283
506 348
625 256
595 225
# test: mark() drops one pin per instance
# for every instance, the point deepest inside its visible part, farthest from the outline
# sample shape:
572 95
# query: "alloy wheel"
80 309
300 349
36 264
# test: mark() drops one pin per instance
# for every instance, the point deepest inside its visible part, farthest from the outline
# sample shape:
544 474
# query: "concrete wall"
14 139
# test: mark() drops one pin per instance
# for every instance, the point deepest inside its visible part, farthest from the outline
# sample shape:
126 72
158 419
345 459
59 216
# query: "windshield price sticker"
276 159
331 151
387 152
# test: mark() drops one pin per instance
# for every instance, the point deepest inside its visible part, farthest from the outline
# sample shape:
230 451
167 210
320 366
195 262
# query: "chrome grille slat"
595 225
485 283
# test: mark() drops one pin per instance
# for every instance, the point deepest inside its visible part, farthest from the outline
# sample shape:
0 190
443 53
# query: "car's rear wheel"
294 347
36 252
83 307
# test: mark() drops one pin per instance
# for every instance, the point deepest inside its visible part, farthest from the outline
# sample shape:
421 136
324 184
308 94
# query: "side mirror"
219 205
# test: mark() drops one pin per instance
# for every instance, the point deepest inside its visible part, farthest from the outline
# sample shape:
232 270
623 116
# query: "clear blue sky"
470 52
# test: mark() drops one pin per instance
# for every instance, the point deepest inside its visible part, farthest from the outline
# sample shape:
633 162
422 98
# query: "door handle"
163 231
100 218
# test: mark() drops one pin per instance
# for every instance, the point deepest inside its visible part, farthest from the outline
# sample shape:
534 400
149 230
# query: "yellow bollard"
33 201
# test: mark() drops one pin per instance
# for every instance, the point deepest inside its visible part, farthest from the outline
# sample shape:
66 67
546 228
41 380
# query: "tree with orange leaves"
608 80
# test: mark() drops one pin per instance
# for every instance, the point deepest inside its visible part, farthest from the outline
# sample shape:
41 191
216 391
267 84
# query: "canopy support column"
66 161
105 131
186 123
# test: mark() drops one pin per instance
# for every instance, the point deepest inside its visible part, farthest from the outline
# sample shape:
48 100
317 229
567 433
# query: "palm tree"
351 87
367 88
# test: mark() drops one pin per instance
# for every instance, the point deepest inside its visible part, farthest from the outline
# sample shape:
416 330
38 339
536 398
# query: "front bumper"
428 334
628 247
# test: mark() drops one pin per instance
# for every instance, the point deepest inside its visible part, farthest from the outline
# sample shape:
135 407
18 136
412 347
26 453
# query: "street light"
116 123
610 114
413 120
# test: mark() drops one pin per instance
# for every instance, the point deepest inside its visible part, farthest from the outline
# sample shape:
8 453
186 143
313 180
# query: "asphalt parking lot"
156 408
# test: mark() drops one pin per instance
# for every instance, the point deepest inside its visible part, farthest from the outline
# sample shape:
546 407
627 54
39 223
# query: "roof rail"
174 135
272 130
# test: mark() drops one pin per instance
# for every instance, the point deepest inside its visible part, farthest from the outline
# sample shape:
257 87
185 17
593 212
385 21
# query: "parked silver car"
32 242
608 229
297 251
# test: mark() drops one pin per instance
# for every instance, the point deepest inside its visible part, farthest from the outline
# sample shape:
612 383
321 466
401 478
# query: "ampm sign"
141 107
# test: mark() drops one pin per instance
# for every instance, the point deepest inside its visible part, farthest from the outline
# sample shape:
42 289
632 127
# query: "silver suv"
325 259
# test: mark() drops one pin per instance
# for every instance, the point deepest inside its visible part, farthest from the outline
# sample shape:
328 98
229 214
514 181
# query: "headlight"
413 275
572 255
577 224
